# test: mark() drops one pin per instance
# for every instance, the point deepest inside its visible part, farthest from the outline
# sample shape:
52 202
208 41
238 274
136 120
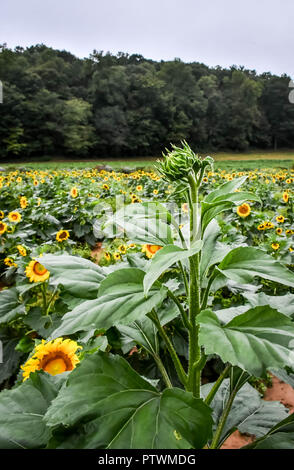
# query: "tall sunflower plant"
100 400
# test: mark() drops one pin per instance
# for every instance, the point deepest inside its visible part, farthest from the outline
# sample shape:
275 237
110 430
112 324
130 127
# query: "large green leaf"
22 410
249 413
224 189
121 300
121 410
281 436
166 257
255 340
223 198
244 263
213 251
9 357
282 303
79 276
10 307
148 222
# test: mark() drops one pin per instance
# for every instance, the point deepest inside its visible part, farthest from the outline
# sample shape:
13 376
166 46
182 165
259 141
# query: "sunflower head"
55 357
21 249
23 202
275 246
36 272
62 235
150 250
74 192
1 214
3 227
243 210
280 219
14 216
285 196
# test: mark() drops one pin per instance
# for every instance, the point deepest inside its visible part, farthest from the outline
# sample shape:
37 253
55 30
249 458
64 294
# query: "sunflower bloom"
21 249
275 246
280 219
3 227
1 214
36 272
243 210
150 250
285 196
23 202
74 192
62 235
14 216
55 357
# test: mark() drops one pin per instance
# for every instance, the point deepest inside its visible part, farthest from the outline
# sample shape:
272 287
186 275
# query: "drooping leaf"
121 300
79 276
281 436
255 340
166 257
144 223
249 413
10 306
244 263
22 410
120 409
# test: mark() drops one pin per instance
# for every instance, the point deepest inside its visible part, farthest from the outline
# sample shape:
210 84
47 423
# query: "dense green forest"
56 104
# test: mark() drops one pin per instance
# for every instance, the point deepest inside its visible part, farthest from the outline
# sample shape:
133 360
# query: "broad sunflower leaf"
249 413
22 410
244 263
10 307
225 188
121 300
166 257
148 222
255 340
213 251
121 410
9 357
80 277
283 303
281 436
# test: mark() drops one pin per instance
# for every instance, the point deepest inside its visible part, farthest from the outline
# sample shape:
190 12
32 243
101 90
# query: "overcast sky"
255 33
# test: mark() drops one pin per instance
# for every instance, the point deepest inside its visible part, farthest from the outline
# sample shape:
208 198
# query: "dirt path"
280 391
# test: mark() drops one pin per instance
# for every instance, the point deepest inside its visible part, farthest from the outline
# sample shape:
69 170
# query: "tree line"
106 105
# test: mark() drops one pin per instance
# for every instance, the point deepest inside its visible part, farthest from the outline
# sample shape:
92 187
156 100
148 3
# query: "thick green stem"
194 372
217 385
177 363
223 419
163 371
186 282
181 309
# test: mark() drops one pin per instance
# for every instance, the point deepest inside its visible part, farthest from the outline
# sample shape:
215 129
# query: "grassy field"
249 160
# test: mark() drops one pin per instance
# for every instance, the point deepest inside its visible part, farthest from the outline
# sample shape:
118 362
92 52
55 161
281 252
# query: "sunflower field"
145 309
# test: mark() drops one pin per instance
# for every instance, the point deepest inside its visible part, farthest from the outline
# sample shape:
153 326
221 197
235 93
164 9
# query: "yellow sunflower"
23 202
261 227
279 231
62 235
107 255
1 214
285 196
21 249
243 210
275 246
280 219
3 227
122 249
55 357
150 250
9 262
36 272
74 192
14 216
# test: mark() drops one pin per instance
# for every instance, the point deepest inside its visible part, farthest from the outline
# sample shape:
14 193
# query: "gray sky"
255 33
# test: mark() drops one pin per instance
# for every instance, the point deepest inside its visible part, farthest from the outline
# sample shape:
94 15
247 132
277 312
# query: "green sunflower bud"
180 162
